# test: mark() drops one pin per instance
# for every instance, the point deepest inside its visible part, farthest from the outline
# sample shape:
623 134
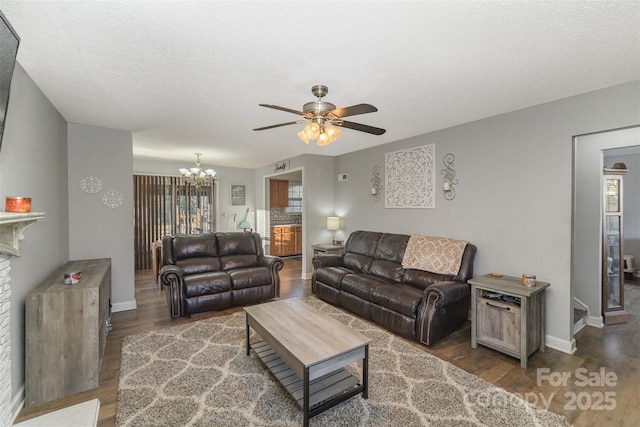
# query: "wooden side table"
508 316
327 249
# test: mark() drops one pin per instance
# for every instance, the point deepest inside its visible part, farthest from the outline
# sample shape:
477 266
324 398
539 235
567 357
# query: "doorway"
284 212
586 265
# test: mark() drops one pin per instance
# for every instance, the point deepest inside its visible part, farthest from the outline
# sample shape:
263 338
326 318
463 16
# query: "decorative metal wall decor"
449 177
112 199
376 187
409 178
91 184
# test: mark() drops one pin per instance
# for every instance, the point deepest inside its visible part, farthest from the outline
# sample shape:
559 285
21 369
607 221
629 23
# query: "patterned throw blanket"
436 254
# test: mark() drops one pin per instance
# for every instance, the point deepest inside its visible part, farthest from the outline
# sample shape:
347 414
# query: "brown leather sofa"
217 271
370 281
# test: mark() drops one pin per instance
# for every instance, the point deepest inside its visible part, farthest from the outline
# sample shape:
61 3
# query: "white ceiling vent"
343 176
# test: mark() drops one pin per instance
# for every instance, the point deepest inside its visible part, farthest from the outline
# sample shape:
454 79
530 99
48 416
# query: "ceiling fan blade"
278 125
355 110
362 128
288 110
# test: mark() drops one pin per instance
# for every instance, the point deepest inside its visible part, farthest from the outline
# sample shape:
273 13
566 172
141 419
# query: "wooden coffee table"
307 352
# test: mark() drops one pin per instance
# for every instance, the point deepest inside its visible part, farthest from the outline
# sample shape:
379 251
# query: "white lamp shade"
333 223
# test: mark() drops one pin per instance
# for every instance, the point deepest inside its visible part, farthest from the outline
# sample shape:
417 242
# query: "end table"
327 249
508 316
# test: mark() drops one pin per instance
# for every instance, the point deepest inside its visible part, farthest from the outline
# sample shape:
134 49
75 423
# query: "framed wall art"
410 178
238 195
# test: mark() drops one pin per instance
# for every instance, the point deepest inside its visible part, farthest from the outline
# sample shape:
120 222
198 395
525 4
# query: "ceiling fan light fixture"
320 113
312 130
303 136
333 133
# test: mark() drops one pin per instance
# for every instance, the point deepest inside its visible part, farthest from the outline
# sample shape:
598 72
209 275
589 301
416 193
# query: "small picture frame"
238 195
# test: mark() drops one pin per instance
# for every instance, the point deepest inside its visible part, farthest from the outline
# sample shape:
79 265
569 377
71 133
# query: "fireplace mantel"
12 228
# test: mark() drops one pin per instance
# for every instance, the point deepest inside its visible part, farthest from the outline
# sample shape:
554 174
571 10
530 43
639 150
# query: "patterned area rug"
198 374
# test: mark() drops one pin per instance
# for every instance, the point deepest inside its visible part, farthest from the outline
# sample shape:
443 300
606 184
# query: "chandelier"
196 175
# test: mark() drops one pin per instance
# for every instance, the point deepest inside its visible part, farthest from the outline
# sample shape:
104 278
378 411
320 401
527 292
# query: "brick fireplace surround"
12 227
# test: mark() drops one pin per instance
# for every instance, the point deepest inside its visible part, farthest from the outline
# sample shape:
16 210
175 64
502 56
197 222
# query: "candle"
18 204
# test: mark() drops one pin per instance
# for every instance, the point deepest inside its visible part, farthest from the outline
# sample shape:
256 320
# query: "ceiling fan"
325 120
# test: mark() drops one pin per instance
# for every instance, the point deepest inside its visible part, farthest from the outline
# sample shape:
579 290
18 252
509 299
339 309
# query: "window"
164 206
295 197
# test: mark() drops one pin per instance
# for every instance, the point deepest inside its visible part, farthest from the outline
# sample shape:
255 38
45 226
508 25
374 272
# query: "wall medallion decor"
409 177
91 184
112 199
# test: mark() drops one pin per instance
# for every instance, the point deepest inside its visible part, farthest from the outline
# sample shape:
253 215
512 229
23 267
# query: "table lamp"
333 224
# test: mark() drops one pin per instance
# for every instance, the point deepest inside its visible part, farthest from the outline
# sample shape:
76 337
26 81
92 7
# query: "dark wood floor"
616 349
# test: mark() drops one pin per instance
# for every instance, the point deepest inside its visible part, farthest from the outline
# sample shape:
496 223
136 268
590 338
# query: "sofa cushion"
388 269
236 244
232 262
391 247
423 279
197 265
362 285
399 298
250 277
195 246
331 276
358 263
363 242
206 283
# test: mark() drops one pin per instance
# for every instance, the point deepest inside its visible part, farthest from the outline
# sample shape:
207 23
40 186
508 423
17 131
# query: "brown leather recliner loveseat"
217 271
369 280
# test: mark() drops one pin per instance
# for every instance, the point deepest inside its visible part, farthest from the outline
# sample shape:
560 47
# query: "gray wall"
514 199
33 162
96 231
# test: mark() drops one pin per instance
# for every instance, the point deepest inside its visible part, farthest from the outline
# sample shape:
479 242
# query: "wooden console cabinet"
508 316
286 240
66 328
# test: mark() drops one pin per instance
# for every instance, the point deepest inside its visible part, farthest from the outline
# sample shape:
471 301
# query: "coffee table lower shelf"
324 392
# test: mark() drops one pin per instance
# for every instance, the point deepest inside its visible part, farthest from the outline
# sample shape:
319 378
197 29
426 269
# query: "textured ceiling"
188 76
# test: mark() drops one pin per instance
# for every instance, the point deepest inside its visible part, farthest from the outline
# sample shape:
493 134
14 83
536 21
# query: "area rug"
198 375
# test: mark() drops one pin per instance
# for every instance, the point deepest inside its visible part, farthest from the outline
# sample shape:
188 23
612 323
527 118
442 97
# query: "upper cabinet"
279 193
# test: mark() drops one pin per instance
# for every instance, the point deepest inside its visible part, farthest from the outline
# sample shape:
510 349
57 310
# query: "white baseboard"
17 403
579 325
307 276
123 306
595 321
564 346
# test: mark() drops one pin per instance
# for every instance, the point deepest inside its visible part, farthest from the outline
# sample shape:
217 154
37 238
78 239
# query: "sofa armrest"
327 260
171 277
274 264
447 292
443 309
